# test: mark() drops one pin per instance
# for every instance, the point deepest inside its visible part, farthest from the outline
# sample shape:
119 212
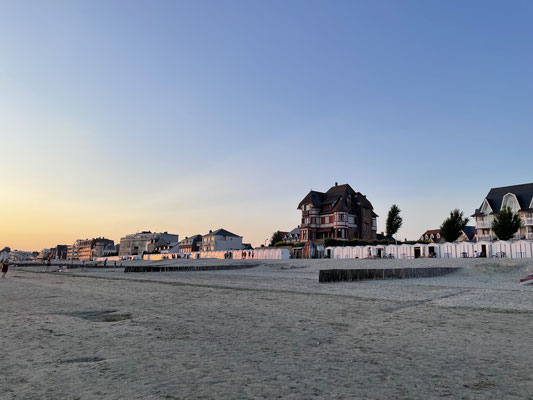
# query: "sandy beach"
270 331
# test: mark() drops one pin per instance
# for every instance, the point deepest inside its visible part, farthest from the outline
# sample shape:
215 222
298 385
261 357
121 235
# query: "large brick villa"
340 213
518 197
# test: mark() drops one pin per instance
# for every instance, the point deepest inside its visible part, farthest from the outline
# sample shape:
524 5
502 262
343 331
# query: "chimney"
336 183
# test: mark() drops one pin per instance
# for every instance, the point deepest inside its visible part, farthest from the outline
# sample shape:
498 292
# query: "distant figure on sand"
48 263
5 267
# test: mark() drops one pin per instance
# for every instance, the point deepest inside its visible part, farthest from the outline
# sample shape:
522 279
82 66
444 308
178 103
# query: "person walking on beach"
48 262
5 267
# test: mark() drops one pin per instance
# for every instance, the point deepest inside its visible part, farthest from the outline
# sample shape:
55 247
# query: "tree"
394 221
452 226
506 223
276 237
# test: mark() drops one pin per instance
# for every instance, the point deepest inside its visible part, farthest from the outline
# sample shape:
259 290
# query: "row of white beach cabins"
502 249
258 254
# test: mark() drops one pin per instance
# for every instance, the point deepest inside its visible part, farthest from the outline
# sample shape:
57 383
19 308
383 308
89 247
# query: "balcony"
483 224
486 238
528 221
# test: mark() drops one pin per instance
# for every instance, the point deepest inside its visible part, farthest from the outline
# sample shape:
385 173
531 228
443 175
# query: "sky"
186 116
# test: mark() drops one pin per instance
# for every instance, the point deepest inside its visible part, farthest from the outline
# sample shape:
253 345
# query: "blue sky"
118 116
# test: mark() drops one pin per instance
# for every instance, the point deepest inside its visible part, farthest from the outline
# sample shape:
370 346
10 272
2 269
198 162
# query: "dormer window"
509 200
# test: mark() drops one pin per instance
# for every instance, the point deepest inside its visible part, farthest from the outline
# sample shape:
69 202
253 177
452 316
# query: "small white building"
221 240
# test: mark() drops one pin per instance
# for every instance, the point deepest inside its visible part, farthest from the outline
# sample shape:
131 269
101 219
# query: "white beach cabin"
448 250
420 250
483 248
465 250
380 251
435 249
369 251
358 252
392 251
350 252
406 251
346 252
522 249
502 249
337 252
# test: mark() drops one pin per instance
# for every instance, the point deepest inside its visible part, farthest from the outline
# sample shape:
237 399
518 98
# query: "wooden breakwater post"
364 274
183 268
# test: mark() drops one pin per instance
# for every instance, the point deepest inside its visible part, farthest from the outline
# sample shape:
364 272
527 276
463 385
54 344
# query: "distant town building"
432 235
59 252
89 249
292 236
143 242
162 246
221 239
43 254
519 198
18 255
340 213
190 244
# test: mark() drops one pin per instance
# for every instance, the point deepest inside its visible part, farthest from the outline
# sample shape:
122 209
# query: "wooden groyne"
178 268
349 275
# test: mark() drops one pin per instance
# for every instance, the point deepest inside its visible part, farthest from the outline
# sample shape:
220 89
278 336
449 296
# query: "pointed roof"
470 232
523 193
313 197
221 232
341 197
191 239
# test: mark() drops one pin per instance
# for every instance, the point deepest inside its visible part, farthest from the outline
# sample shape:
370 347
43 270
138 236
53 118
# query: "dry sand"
271 331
